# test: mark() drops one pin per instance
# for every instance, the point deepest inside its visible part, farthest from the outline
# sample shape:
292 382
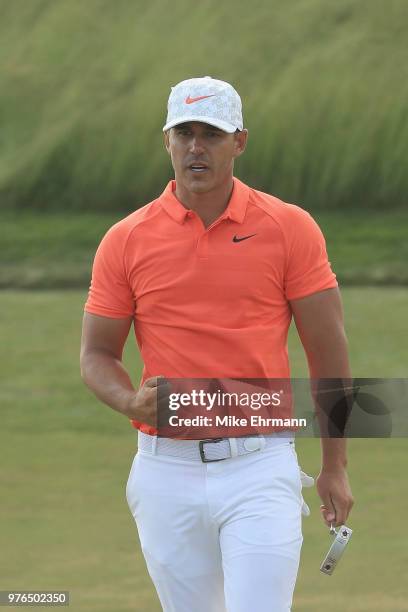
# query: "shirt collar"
235 210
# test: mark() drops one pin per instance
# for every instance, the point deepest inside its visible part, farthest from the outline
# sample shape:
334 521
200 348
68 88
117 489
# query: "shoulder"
290 218
282 212
122 230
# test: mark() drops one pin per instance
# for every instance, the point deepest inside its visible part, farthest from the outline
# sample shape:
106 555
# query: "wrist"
334 466
334 454
127 403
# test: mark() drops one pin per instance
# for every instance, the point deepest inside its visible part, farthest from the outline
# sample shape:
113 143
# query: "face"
202 155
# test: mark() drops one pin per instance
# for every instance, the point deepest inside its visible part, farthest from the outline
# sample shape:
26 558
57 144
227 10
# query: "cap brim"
218 123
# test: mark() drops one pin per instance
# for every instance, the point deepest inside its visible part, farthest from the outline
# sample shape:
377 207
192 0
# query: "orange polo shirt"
210 302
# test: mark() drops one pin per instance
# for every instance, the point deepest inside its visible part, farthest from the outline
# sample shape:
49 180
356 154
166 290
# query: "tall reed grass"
85 85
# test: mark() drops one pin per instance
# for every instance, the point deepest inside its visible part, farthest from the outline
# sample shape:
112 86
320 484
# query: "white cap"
206 100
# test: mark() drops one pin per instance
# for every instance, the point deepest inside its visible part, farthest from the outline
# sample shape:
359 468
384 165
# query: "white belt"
210 450
218 449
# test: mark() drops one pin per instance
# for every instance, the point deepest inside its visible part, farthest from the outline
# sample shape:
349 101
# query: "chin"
198 185
203 188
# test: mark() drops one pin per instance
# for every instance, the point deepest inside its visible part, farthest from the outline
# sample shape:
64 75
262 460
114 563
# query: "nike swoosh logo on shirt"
236 239
192 100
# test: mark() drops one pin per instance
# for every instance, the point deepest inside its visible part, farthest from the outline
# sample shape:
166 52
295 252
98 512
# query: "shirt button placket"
197 229
202 246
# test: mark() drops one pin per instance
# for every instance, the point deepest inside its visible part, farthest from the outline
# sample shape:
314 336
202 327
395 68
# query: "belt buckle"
201 448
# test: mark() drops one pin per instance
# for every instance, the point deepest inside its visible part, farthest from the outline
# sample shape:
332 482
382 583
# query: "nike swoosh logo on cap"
190 100
236 239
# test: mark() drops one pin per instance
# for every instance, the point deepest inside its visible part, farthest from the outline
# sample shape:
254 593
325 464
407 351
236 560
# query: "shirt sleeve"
308 269
110 294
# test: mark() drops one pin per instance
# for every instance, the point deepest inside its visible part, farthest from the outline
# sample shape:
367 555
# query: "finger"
341 515
153 381
347 509
163 404
343 508
328 507
328 510
328 523
325 512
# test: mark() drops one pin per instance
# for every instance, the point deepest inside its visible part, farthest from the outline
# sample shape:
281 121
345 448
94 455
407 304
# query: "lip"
197 170
202 165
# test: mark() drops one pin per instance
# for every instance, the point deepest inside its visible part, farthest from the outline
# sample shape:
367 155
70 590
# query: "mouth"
198 167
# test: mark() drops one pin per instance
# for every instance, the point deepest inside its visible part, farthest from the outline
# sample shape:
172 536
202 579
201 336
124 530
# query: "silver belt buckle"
202 452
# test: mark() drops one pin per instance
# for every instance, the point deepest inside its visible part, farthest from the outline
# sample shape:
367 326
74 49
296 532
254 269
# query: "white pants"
222 536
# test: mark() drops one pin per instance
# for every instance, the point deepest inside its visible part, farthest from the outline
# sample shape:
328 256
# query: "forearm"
109 380
319 319
330 384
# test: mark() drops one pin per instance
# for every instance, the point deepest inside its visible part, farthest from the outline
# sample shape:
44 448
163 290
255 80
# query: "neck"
209 205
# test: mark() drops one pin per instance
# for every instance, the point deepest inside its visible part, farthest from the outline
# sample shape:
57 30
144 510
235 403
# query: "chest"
223 268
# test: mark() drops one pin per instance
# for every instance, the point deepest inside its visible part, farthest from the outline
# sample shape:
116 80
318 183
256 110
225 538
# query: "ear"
166 138
240 139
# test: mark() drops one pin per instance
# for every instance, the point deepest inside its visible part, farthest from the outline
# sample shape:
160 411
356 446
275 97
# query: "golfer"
211 274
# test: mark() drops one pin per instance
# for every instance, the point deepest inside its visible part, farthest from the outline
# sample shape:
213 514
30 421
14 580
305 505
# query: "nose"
196 145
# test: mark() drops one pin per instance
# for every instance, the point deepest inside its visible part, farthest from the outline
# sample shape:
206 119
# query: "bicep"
319 318
104 334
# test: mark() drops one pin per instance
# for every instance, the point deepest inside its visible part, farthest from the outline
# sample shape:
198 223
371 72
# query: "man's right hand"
143 404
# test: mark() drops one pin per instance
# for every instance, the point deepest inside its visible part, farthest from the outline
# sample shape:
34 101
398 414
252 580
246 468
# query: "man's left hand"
335 492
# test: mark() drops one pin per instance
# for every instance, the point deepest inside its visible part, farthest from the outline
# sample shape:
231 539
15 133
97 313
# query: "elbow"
328 342
84 367
329 357
82 372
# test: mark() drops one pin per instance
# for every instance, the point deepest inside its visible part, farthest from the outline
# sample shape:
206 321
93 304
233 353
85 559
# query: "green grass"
85 86
50 250
56 250
65 460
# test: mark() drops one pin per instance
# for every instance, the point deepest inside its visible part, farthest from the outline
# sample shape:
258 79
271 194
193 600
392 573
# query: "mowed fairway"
65 460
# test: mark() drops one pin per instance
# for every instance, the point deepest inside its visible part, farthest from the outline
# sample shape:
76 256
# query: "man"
211 273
